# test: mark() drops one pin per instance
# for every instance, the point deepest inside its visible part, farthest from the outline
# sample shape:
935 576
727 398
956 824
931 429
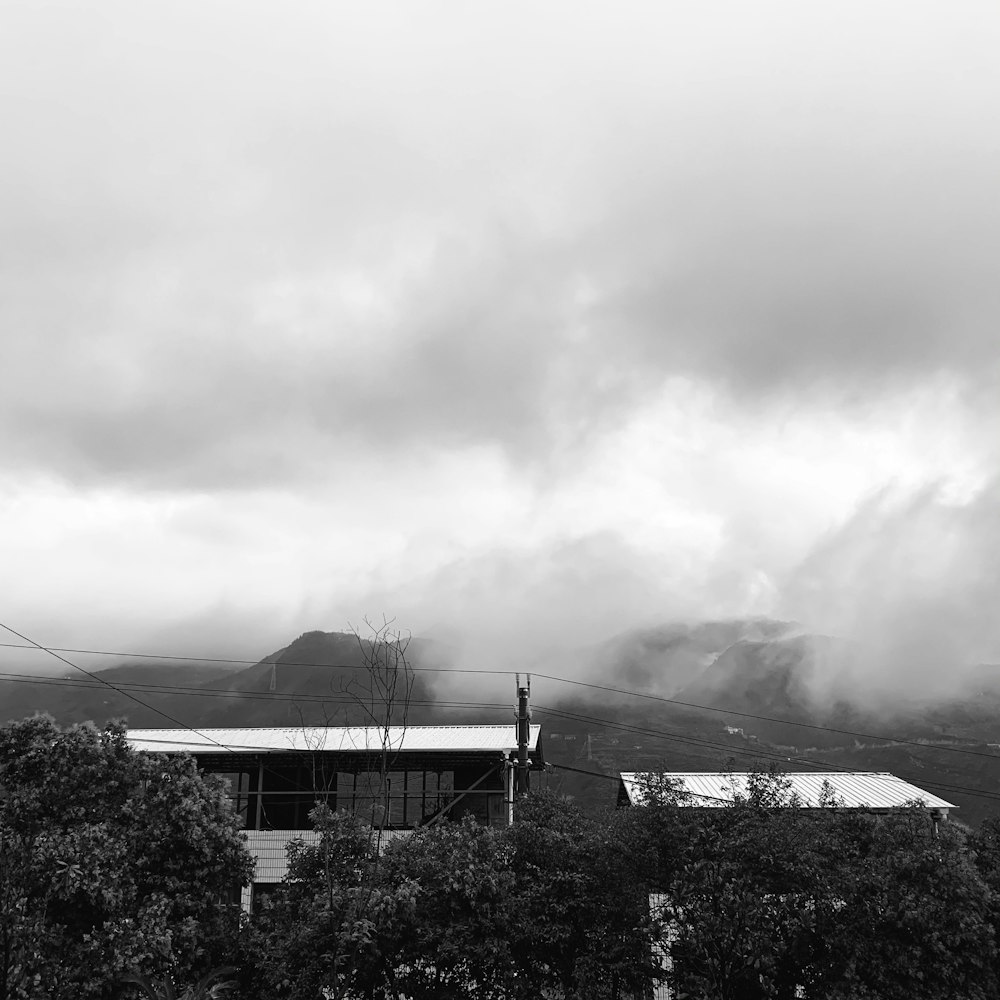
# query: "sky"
519 320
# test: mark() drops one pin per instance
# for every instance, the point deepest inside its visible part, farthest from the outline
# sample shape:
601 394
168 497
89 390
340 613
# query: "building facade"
395 779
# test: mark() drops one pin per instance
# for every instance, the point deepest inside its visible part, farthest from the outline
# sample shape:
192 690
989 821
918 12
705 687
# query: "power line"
188 691
758 718
137 700
252 663
181 690
756 753
598 774
549 677
101 680
580 770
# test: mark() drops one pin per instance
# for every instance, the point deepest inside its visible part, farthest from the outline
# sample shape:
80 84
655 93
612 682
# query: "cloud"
545 321
911 580
247 246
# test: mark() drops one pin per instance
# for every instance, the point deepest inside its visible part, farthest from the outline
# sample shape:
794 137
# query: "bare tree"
378 695
383 693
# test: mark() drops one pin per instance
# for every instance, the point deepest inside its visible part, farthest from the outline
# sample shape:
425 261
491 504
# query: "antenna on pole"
523 717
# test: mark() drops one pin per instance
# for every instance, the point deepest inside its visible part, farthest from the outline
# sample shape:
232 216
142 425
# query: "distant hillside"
73 697
668 658
716 694
317 679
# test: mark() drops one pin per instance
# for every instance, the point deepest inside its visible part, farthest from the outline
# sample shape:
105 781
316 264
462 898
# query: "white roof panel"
340 739
852 789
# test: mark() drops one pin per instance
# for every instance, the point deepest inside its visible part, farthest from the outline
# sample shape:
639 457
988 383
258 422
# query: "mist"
912 582
526 327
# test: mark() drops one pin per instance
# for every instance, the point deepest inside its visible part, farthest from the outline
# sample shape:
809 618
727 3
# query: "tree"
742 903
916 918
320 932
111 862
456 941
378 697
985 847
768 899
550 907
214 985
383 695
581 903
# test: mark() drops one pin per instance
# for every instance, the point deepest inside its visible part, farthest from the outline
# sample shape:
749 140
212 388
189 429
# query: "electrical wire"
759 753
753 753
235 661
182 690
609 689
107 683
100 681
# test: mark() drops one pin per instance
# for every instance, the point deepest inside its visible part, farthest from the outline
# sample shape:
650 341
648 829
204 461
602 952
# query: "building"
869 790
394 778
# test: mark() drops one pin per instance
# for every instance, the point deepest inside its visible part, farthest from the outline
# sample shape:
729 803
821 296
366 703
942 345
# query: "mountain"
75 697
667 658
318 679
707 695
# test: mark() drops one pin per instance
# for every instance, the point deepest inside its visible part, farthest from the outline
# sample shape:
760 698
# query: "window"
403 799
290 792
238 791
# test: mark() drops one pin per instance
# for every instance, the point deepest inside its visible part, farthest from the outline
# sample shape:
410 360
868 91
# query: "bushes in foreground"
112 863
753 900
114 866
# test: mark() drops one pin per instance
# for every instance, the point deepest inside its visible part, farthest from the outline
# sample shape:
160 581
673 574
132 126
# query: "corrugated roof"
853 790
342 739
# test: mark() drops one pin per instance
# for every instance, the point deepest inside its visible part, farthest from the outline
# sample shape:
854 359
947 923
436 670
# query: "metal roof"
333 739
853 790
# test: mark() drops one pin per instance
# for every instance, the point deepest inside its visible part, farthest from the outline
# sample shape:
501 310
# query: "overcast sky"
536 319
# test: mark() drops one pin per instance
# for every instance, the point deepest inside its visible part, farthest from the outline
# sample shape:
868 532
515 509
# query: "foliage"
214 985
455 942
916 913
758 899
320 934
580 904
742 899
111 862
841 904
551 906
984 845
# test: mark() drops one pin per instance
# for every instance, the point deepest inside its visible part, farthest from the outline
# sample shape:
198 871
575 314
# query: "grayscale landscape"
606 395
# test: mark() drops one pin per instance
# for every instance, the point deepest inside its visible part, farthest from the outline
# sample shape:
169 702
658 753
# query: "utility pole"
523 719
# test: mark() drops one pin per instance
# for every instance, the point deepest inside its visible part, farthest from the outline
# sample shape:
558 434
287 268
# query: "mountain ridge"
719 693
